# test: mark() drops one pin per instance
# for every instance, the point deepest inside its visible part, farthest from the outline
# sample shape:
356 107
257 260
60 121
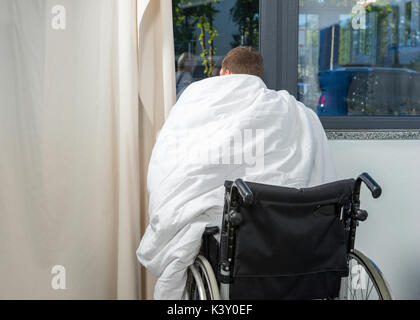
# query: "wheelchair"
280 243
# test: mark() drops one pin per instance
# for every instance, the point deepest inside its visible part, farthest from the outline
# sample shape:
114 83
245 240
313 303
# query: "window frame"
279 28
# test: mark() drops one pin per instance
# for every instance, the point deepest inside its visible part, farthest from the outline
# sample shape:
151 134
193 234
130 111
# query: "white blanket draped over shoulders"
222 128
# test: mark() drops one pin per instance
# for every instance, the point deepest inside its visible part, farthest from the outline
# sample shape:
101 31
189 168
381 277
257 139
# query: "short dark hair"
244 60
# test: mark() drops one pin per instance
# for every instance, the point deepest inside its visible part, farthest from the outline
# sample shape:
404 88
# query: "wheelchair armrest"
209 231
207 237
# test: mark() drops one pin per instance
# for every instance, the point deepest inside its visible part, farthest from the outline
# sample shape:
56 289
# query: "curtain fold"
157 92
128 281
69 150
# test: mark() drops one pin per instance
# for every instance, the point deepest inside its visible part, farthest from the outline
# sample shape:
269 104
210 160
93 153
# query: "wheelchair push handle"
244 191
373 186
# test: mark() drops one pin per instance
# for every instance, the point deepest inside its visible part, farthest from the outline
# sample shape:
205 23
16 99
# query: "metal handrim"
204 265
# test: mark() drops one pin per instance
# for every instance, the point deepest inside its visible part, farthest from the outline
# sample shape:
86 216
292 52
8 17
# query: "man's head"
243 60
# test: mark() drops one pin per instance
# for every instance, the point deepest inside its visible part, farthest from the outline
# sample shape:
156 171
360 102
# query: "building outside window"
359 57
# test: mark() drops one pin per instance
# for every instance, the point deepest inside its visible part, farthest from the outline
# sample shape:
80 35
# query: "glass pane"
205 30
360 57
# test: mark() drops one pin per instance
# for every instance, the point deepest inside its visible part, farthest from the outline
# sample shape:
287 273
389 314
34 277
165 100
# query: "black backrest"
292 243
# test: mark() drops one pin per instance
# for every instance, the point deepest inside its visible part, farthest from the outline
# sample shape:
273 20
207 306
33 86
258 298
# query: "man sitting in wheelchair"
223 128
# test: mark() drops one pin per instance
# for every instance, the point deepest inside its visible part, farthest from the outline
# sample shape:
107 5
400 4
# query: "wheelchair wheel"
365 280
201 281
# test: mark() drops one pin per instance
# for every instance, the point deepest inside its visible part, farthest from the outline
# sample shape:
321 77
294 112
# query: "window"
357 61
205 30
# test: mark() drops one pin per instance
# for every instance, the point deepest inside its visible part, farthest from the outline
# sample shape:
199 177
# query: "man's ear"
225 72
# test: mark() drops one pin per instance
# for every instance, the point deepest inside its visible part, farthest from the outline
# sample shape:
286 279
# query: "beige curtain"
75 144
156 91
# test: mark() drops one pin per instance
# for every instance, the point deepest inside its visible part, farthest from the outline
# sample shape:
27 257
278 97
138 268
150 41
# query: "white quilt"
222 128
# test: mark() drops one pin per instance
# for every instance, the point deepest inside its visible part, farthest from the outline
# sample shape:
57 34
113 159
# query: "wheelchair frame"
239 190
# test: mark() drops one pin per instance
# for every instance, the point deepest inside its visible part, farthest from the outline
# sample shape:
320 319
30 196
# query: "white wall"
391 234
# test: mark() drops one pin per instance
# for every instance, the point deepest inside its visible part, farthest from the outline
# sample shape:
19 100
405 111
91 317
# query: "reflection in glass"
360 57
205 30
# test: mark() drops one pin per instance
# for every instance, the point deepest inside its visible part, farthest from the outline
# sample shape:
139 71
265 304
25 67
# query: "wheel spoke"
358 287
372 289
360 280
367 289
354 292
